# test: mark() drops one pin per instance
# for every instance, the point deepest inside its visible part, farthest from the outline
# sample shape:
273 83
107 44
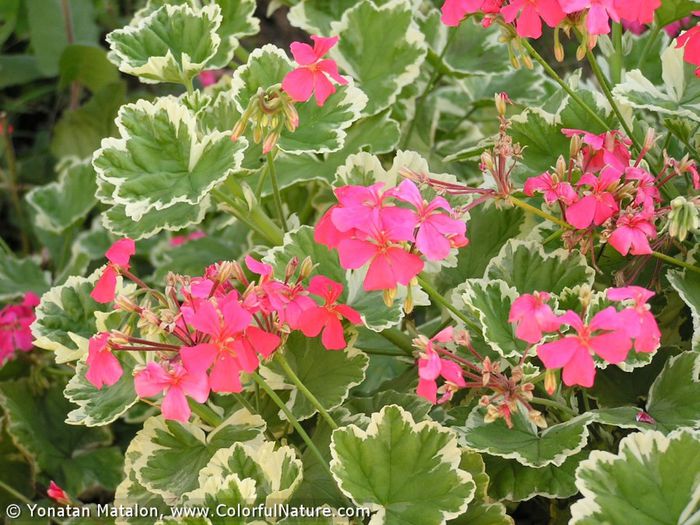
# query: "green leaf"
16 472
525 266
404 471
87 65
316 16
674 398
687 284
19 276
18 69
97 407
329 375
173 44
680 95
300 243
415 405
160 160
61 204
672 10
172 453
524 442
652 480
542 139
381 47
131 492
573 116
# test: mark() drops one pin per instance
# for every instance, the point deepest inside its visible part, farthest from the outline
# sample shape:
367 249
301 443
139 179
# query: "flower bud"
575 146
537 418
683 218
389 296
270 142
550 381
125 303
307 266
558 52
291 268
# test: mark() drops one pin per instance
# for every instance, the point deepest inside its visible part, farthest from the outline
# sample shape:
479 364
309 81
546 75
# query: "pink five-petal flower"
15 322
177 383
530 13
690 42
453 11
118 256
437 232
103 367
641 11
632 234
574 353
532 316
326 317
57 494
598 205
552 189
311 77
639 322
599 13
431 366
606 149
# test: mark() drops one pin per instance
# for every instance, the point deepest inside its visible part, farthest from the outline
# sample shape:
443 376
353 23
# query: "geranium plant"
432 262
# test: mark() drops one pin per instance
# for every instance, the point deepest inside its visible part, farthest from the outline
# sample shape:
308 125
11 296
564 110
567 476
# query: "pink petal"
427 390
264 342
196 385
121 251
323 88
354 253
329 67
105 286
198 358
580 214
323 44
557 353
299 84
529 24
580 370
151 381
303 54
175 405
612 347
349 313
429 367
432 243
225 376
311 321
333 337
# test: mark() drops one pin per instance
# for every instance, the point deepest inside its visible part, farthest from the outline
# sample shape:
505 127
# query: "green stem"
14 493
616 58
255 219
553 237
536 211
541 61
11 161
550 403
241 54
205 413
279 357
677 262
439 299
399 339
276 190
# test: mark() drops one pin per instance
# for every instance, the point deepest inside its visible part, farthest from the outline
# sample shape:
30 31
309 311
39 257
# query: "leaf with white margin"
97 407
652 480
381 47
276 473
404 471
61 204
680 95
131 492
173 44
524 442
300 243
513 481
687 284
329 375
490 300
316 16
321 129
525 266
160 160
173 453
674 397
66 317
671 10
19 276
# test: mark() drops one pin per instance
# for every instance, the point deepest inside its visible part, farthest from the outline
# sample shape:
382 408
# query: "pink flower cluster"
370 227
15 320
610 334
217 327
431 367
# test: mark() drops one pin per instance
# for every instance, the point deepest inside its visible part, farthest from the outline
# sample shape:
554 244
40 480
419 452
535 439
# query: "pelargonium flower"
605 336
326 318
431 366
437 231
118 256
453 11
598 204
599 13
359 206
637 319
632 233
647 191
530 13
103 367
311 77
177 383
641 11
606 149
533 316
15 322
690 42
179 240
552 189
57 494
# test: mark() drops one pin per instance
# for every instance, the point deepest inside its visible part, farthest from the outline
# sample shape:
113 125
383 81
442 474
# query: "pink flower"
232 343
632 234
598 205
607 149
599 13
210 77
552 189
638 320
312 74
431 366
437 232
641 11
647 192
359 207
453 11
690 42
103 367
177 383
532 316
57 494
530 14
179 240
326 318
118 256
15 322
604 336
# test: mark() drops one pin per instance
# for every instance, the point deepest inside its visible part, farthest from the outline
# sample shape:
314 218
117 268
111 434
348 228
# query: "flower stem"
536 211
439 299
276 191
553 404
205 413
255 219
282 361
677 262
399 339
616 58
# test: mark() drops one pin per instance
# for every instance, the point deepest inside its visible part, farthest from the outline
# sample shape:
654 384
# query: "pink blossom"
606 149
437 232
598 204
327 317
118 256
530 14
210 77
431 366
641 11
15 322
453 11
177 383
605 336
179 240
632 233
552 189
57 494
103 367
532 316
638 320
675 28
647 192
690 42
359 207
599 13
312 74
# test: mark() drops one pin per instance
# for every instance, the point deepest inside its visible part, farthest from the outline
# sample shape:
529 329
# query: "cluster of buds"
683 218
270 111
510 395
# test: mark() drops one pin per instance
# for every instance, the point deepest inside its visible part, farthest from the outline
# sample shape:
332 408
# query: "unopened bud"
270 142
575 146
125 303
560 169
527 62
581 52
257 134
291 268
292 116
487 161
683 218
408 302
537 418
649 139
558 52
501 100
550 381
307 266
389 296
